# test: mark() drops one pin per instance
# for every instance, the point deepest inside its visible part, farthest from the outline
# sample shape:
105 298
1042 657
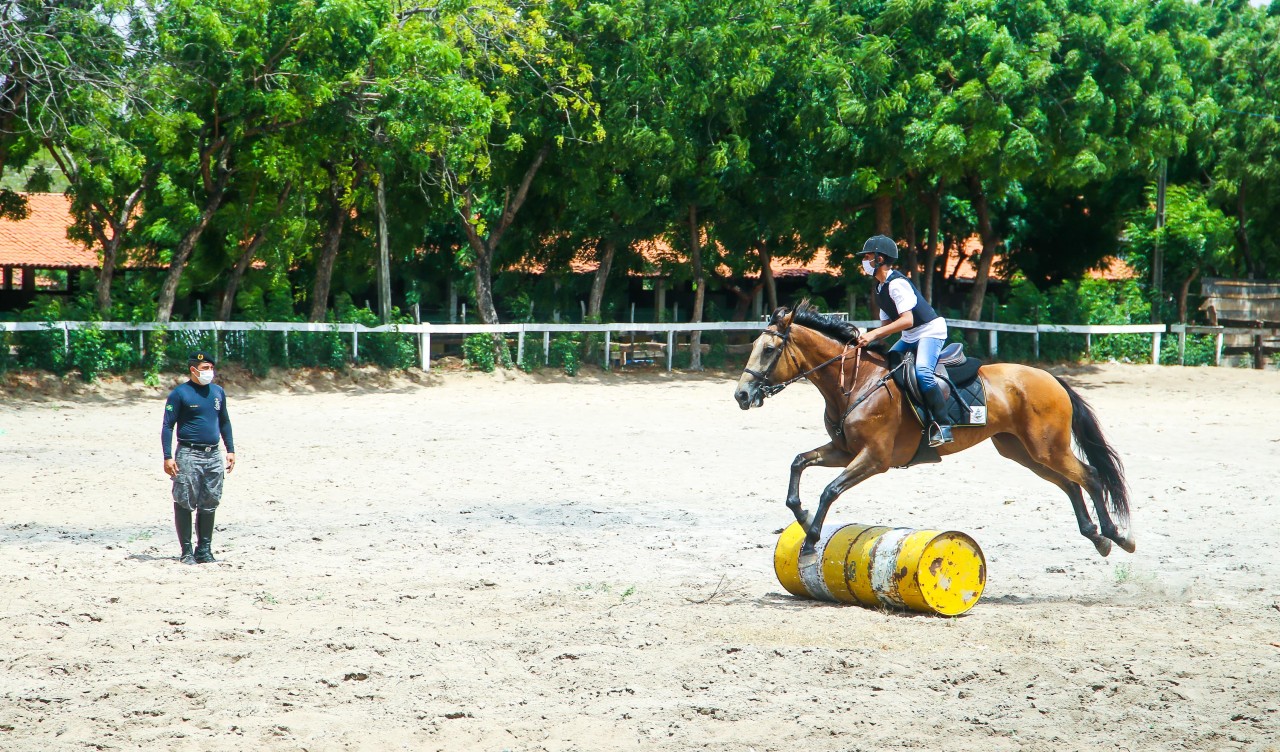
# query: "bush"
477 349
1089 301
94 351
534 358
564 352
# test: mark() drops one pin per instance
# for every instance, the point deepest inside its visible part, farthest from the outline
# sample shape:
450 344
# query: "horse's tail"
1100 455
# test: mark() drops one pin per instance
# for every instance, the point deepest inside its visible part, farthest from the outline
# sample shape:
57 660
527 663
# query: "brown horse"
1032 417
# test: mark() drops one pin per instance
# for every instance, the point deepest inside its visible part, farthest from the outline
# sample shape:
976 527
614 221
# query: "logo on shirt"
217 403
169 408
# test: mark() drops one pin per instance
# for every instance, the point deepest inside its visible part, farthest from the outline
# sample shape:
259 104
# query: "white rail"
425 331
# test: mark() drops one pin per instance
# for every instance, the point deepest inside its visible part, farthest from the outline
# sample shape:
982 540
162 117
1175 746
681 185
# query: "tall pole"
384 254
1157 259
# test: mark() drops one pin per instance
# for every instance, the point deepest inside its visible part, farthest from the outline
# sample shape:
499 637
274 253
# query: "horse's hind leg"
1010 446
1060 459
1093 485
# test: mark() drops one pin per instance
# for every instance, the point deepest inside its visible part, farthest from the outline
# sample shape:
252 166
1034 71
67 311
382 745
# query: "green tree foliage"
246 148
1196 239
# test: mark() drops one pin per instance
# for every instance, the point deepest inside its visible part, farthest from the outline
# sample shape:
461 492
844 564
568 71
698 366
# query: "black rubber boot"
182 521
940 430
204 537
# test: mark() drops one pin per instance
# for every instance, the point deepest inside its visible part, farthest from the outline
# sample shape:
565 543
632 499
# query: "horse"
1032 417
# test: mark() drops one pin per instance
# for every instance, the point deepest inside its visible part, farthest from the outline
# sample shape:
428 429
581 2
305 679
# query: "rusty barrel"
930 571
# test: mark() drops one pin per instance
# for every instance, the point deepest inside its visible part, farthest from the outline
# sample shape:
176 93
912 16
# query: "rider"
904 309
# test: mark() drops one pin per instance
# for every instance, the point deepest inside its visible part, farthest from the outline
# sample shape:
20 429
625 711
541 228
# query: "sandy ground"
470 562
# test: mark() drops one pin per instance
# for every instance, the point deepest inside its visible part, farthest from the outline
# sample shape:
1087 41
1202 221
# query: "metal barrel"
929 571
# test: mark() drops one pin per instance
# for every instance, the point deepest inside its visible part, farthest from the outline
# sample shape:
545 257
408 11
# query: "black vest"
922 314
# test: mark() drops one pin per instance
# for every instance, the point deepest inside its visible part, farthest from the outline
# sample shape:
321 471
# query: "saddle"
957 375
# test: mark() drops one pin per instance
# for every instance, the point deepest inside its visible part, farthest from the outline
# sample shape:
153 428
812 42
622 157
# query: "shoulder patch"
169 408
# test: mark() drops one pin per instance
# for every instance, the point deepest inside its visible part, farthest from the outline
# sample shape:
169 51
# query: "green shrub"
1089 301
564 352
534 358
477 350
94 351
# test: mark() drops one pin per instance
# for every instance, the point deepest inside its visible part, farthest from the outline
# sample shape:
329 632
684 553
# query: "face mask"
868 268
205 377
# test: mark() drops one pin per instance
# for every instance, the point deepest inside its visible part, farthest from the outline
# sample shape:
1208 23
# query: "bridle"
768 388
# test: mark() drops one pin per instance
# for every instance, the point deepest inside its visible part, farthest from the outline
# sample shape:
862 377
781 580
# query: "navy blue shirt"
200 412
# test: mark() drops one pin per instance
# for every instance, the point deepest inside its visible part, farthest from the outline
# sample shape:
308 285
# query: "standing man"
924 332
198 407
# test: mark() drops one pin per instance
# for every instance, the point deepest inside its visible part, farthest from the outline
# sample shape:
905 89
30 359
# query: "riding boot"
204 539
940 429
182 521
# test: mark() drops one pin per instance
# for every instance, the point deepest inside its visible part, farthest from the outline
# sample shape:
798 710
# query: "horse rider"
924 332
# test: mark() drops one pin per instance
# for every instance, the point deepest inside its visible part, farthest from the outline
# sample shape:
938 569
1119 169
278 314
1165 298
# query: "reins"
881 382
770 389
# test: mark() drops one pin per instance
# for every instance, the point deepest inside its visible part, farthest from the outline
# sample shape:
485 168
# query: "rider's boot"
182 521
940 428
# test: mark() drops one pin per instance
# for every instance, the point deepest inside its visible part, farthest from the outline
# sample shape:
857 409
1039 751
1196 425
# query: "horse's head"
766 366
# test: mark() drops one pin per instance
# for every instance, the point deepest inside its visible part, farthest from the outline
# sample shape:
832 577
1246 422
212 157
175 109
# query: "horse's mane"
806 315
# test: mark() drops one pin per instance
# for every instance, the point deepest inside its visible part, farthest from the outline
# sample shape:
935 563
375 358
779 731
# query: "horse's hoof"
1123 541
1103 545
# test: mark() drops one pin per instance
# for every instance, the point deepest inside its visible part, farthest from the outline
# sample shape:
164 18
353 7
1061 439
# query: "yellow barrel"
930 571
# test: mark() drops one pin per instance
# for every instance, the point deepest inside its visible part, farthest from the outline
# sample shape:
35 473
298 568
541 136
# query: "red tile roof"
41 240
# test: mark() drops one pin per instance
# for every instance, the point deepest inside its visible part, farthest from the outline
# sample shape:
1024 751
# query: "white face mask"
868 268
205 377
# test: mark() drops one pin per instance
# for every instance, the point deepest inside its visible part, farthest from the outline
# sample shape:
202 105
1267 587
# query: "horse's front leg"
828 455
866 464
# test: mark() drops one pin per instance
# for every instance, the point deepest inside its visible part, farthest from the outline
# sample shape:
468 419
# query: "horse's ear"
775 318
784 322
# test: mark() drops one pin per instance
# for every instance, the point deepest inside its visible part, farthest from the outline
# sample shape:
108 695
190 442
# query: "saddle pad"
966 394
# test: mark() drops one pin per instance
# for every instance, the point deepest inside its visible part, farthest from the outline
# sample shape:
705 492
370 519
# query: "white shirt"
904 297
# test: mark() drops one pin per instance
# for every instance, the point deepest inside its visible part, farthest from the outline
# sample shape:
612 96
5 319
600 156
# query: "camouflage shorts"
198 484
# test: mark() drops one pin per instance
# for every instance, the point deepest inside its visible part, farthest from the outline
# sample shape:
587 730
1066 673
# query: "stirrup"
939 435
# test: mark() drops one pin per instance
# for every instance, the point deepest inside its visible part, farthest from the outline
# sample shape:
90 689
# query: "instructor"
198 407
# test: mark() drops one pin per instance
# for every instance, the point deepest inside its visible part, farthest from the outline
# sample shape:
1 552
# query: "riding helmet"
881 244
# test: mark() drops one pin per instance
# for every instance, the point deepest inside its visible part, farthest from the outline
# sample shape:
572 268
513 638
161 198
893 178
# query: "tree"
56 54
475 99
237 72
1242 146
1196 238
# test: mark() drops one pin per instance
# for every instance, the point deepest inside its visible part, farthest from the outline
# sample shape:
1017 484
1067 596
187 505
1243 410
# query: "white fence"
424 332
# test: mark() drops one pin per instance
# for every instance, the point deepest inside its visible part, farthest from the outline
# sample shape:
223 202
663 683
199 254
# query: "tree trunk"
1242 235
884 215
102 290
237 273
246 258
329 248
1183 293
485 247
182 254
15 90
766 274
606 248
909 231
989 244
699 289
931 251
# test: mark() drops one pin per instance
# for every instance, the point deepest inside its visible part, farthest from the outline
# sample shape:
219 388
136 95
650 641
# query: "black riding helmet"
882 245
